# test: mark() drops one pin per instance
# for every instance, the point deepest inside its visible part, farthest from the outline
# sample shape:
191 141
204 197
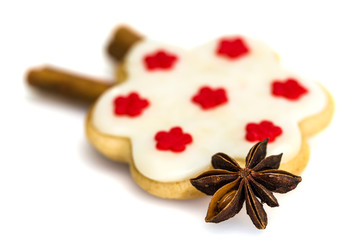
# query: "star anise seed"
232 185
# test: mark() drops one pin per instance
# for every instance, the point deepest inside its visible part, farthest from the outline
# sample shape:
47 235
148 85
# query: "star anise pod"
231 185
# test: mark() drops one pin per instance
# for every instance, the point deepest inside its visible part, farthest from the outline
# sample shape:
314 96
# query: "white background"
53 185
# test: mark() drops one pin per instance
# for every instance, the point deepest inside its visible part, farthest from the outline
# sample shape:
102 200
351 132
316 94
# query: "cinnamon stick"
122 40
67 84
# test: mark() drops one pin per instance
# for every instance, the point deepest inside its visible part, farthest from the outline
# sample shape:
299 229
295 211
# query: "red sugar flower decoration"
132 105
160 60
289 89
175 140
259 131
232 48
209 98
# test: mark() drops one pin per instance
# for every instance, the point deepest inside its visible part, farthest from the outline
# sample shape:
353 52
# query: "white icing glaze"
222 129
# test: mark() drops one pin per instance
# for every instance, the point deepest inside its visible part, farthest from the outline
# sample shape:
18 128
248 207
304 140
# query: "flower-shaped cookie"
177 108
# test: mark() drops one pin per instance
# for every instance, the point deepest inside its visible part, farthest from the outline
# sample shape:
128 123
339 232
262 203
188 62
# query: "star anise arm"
264 194
254 208
270 162
226 202
223 161
256 154
277 180
210 181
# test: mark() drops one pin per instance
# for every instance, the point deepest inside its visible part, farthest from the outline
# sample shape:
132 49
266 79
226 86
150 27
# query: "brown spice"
80 87
122 40
232 185
67 84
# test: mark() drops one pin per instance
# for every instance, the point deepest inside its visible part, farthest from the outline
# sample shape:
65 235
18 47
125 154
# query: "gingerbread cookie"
173 109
